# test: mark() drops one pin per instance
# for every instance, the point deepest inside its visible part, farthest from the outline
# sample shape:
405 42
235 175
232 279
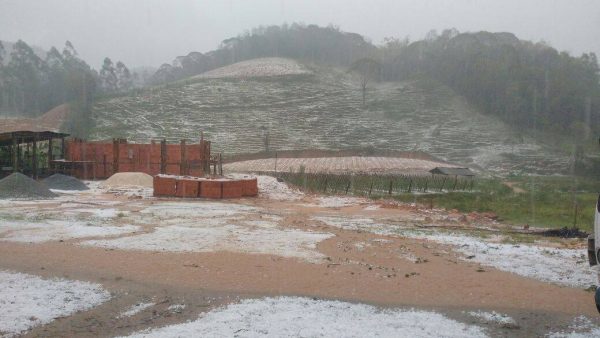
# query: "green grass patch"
552 202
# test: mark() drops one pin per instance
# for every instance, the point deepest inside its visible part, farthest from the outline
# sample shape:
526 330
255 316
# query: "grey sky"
151 32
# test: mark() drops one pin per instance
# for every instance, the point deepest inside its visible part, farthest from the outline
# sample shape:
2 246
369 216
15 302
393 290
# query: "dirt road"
352 265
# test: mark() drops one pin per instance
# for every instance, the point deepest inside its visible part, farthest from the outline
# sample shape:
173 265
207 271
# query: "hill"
528 85
262 67
323 109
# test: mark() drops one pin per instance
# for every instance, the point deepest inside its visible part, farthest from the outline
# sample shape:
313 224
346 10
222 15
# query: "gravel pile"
64 182
19 186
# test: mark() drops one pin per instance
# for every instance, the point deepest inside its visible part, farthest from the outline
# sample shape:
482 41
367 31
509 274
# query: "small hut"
448 171
463 177
20 151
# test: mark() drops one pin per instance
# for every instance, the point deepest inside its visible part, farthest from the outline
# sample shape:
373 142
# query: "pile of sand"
64 182
133 179
19 186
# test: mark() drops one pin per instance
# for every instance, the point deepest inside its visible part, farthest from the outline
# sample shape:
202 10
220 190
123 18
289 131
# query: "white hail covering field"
568 267
349 164
257 68
303 317
322 110
27 301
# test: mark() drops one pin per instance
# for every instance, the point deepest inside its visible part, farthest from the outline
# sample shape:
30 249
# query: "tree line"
323 45
31 84
528 85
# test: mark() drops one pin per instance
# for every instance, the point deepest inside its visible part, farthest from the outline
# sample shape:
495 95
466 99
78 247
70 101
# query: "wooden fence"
374 185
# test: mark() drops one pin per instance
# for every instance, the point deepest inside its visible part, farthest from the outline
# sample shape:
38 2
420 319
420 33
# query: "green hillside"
324 110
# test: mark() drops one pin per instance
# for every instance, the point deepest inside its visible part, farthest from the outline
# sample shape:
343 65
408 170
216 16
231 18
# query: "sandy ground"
242 249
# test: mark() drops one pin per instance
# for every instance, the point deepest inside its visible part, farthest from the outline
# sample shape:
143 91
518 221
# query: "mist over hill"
530 89
527 85
321 108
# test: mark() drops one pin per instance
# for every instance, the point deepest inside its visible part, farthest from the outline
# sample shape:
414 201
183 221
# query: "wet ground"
177 259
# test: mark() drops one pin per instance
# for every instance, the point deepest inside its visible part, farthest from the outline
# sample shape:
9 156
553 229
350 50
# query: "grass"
547 201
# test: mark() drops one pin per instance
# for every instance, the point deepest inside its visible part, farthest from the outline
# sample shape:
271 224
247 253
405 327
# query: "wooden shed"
449 171
20 150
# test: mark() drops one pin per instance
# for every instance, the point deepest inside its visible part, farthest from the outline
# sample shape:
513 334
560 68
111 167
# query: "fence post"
371 187
410 186
163 156
391 185
183 157
116 155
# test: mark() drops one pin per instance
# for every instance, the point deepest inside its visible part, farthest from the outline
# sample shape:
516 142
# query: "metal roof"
27 136
452 171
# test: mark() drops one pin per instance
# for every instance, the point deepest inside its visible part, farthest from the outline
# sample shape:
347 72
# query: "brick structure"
98 160
164 186
191 187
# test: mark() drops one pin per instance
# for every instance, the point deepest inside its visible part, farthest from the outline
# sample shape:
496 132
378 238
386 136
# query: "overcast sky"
152 32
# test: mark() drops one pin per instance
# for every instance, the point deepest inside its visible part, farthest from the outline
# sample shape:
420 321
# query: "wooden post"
62 147
15 154
116 156
220 164
208 155
50 155
391 185
163 156
27 156
34 162
182 166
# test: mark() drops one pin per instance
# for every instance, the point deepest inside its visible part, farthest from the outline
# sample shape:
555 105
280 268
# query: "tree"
108 76
2 77
2 52
124 78
368 70
25 71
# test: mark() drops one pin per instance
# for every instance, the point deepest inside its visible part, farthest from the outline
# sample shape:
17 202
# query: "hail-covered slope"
320 109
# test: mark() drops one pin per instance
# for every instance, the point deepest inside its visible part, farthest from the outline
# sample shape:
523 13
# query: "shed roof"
452 171
27 136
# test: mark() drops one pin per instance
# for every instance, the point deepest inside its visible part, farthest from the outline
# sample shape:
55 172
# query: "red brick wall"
164 186
187 188
211 189
190 187
232 189
134 157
